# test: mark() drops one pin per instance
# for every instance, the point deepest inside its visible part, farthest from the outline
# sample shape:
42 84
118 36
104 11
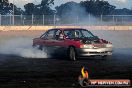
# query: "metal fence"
16 20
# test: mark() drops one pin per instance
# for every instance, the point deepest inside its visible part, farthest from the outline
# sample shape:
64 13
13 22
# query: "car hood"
93 40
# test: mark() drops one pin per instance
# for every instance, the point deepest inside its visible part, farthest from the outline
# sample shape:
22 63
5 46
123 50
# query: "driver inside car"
76 34
61 36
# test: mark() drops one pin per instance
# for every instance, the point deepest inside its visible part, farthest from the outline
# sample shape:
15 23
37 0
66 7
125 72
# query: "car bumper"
94 52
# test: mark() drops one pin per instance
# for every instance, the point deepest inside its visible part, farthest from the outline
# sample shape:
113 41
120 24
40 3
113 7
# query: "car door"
59 44
48 41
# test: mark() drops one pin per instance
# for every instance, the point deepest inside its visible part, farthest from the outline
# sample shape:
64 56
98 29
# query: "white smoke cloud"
21 47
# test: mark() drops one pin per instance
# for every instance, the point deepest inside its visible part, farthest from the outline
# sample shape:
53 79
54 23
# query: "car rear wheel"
72 54
36 46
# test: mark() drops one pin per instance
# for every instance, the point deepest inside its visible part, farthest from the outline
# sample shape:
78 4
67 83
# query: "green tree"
29 8
43 8
97 7
7 8
4 6
70 8
46 7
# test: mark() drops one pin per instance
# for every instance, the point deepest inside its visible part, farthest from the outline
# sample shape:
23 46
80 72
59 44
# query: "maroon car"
73 42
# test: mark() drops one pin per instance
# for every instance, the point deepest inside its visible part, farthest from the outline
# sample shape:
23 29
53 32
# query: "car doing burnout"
73 42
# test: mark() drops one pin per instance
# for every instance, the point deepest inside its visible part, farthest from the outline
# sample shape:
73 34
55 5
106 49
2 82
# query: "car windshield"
78 33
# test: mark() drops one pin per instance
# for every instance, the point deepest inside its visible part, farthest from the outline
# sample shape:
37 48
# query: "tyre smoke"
21 47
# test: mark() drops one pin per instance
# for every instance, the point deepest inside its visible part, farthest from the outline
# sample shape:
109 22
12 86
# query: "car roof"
65 28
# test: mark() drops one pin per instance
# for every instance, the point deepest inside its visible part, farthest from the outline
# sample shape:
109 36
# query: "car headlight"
109 45
87 46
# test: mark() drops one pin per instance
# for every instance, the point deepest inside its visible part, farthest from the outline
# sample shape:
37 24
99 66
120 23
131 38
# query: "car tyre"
72 54
36 46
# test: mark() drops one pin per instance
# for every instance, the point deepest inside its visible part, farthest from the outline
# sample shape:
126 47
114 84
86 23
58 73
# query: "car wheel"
72 54
36 46
44 49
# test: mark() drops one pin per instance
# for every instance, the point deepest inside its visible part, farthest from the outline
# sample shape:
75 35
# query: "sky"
117 3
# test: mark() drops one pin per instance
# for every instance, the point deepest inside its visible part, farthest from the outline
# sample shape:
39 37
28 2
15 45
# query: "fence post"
10 20
54 19
77 21
0 19
32 19
21 19
101 18
43 20
113 19
13 19
122 19
89 19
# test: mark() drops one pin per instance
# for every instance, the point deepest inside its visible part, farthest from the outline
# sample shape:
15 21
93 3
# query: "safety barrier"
28 28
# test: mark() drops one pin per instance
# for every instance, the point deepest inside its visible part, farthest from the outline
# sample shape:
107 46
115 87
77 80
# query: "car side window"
50 35
57 34
43 36
72 33
87 34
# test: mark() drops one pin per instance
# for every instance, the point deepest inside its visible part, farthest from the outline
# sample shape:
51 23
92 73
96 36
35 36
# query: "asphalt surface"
59 72
19 72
